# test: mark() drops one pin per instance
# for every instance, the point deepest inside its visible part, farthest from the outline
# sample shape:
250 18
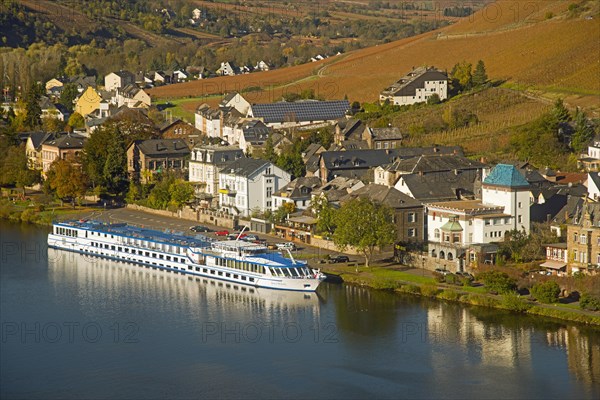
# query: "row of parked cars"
248 237
458 273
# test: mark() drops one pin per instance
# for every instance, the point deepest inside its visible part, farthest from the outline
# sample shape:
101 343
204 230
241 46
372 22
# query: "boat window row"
65 231
138 252
225 274
290 272
167 248
241 265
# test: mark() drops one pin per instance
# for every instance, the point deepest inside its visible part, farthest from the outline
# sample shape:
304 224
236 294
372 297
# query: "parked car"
465 275
338 259
224 232
272 246
442 271
250 237
286 246
199 228
234 236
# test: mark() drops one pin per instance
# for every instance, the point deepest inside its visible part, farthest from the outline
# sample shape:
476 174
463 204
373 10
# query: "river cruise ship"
229 260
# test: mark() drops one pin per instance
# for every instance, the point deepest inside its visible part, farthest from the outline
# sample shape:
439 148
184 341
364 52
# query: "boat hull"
189 267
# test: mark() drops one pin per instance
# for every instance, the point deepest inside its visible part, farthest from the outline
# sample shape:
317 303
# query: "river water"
73 327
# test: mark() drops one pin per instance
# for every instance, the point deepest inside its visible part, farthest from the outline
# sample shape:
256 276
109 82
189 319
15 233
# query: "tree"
499 282
433 99
76 121
115 167
479 75
324 213
68 96
33 111
364 225
14 171
560 112
67 180
583 132
181 193
284 211
546 292
462 76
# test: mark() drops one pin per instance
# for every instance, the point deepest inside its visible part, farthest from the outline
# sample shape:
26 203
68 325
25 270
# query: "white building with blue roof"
463 232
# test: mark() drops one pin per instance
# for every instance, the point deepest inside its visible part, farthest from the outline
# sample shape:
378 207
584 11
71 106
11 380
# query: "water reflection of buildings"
495 344
99 282
583 356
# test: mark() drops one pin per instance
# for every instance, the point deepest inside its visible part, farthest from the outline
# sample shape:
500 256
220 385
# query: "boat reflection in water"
100 282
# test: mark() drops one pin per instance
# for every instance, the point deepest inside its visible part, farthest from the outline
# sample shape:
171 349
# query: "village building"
408 212
590 162
583 240
299 192
465 232
61 147
204 167
417 87
179 129
131 96
248 184
383 138
300 113
118 80
33 148
148 157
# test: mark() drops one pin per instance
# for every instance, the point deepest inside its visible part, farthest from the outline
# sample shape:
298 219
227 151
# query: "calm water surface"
74 327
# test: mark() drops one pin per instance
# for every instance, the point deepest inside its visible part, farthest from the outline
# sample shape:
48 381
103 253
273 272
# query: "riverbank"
420 283
30 212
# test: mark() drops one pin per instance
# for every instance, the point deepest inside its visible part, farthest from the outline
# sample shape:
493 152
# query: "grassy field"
546 56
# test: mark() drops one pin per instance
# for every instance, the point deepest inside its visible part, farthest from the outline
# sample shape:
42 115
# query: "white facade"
209 124
593 189
424 93
114 81
205 163
241 194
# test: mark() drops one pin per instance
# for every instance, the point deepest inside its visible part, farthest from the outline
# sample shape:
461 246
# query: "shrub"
451 279
429 290
414 289
513 302
448 294
546 292
589 302
465 281
29 215
483 301
496 281
438 277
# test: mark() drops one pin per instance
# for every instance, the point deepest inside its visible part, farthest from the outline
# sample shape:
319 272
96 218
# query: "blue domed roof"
506 175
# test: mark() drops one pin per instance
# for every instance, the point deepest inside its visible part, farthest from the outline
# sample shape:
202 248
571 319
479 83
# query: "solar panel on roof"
301 111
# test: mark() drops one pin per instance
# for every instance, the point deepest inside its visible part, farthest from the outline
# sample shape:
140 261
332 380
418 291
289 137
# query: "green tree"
33 111
76 121
589 302
480 77
364 225
283 211
114 173
68 96
560 112
291 162
499 282
434 99
325 215
181 193
546 292
583 132
462 75
66 180
14 170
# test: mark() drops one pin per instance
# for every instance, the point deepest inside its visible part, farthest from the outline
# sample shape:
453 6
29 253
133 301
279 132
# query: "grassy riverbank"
39 214
389 278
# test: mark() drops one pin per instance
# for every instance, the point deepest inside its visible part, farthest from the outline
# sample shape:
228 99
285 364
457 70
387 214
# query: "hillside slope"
533 45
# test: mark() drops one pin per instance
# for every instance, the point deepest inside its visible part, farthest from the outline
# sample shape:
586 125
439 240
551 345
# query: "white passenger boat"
229 260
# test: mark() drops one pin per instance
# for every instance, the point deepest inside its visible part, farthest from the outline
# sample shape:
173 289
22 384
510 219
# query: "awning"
554 264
